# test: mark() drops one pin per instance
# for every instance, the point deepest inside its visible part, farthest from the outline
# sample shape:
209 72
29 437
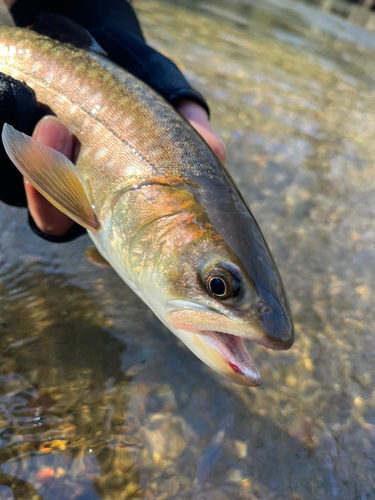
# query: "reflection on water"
99 401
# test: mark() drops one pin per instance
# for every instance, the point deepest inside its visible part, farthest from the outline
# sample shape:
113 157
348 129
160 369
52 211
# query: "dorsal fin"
65 30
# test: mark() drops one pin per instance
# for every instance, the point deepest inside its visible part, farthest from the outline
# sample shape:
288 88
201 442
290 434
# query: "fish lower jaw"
234 352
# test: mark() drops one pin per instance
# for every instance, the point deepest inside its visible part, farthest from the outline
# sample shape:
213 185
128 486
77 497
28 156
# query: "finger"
9 3
198 118
50 132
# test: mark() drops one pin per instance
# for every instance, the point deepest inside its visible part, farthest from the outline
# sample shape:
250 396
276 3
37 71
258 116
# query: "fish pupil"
217 286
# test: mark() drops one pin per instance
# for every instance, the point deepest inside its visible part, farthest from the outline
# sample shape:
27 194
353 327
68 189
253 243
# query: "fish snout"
276 323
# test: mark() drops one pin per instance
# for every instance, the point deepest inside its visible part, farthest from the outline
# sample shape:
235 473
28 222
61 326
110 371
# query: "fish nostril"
264 308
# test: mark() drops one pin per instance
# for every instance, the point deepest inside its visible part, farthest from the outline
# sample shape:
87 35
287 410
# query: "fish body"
158 204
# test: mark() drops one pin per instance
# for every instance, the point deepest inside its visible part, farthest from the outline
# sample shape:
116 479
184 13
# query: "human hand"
49 220
198 118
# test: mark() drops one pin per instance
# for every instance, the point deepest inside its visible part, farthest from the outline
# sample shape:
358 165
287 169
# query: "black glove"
114 25
19 108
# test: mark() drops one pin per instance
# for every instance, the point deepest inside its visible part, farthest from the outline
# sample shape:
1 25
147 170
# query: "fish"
155 199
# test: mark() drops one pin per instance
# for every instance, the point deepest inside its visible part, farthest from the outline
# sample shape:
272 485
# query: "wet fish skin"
167 210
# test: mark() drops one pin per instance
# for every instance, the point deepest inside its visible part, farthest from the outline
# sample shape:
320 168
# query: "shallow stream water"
98 400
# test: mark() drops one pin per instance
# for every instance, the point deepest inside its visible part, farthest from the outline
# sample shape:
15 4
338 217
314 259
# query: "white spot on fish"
12 50
20 51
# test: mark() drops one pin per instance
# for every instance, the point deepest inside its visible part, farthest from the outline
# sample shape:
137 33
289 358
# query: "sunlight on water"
99 401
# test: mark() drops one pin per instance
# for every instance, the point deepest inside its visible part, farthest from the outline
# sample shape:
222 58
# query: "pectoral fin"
93 255
52 174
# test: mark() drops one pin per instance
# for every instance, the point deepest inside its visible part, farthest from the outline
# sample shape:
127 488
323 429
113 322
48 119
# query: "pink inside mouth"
234 351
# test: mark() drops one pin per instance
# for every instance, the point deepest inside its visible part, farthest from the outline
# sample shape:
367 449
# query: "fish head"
209 276
220 306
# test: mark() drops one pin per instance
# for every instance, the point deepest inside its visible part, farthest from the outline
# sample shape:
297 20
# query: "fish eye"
217 286
223 281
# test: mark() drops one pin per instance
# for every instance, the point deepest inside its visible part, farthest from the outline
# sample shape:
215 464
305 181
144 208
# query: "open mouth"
217 340
235 353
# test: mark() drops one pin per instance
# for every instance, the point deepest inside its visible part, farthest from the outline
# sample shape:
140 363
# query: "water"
98 400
